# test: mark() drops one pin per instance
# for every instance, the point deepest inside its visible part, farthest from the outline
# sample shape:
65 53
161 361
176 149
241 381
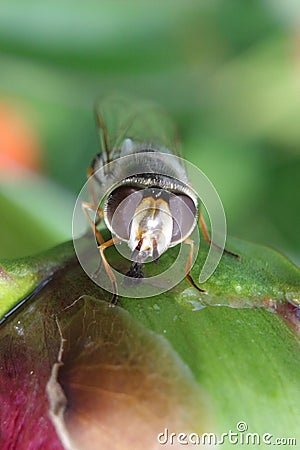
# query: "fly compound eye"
184 213
120 209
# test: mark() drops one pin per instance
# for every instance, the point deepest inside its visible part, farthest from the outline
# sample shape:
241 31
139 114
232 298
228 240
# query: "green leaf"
18 278
150 360
262 277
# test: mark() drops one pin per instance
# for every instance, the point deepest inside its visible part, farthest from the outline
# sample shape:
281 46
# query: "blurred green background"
228 72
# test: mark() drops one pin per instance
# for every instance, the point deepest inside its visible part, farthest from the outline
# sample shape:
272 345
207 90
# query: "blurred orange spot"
19 147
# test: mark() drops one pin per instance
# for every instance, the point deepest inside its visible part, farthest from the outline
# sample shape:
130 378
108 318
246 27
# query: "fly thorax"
151 228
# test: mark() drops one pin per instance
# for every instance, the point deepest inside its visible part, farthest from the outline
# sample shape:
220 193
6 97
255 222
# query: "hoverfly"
147 209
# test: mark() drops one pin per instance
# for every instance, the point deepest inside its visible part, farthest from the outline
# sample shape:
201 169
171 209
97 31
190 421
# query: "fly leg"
108 269
189 262
91 206
207 238
86 207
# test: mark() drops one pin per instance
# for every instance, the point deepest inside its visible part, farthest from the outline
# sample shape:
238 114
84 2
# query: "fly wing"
122 120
